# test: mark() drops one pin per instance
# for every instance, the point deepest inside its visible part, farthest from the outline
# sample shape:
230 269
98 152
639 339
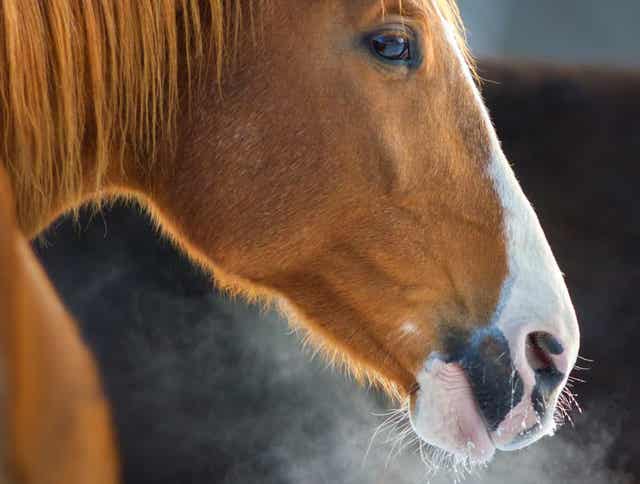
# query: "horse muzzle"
490 391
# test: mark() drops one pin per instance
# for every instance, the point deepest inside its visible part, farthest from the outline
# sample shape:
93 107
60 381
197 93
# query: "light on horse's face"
351 169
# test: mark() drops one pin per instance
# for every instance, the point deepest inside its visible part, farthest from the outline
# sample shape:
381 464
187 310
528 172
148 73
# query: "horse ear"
54 421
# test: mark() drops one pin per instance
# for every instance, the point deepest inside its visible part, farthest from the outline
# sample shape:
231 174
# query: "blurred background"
576 31
210 390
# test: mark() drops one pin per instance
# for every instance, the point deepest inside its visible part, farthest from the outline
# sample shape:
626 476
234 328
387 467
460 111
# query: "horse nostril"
540 349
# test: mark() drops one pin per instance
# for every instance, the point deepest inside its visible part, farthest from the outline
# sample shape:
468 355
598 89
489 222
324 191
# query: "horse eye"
392 46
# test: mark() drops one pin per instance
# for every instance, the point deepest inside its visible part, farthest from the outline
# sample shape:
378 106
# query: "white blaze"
533 297
534 292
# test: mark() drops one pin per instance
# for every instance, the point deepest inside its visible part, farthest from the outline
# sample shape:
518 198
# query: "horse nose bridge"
535 290
535 298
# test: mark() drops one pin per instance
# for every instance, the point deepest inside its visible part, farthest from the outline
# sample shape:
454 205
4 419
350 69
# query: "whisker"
396 422
581 368
396 444
575 379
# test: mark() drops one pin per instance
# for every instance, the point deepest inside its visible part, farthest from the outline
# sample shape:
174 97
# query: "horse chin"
444 414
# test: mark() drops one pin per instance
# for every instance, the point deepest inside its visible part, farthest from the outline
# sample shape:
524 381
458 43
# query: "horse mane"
82 85
102 70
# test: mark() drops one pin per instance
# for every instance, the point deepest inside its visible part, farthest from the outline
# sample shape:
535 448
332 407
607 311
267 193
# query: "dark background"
210 390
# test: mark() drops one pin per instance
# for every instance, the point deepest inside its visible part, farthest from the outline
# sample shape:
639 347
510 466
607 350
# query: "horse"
336 160
157 330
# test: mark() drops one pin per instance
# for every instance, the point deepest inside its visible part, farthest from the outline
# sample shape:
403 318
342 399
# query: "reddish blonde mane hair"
101 68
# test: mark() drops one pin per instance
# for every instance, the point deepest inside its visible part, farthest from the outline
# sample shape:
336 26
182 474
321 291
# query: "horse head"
334 155
350 168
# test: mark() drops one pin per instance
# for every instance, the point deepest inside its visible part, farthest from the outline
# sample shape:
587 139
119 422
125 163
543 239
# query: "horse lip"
521 440
480 414
445 358
468 433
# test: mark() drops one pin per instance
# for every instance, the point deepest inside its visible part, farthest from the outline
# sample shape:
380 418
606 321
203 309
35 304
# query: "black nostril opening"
538 356
540 348
549 343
